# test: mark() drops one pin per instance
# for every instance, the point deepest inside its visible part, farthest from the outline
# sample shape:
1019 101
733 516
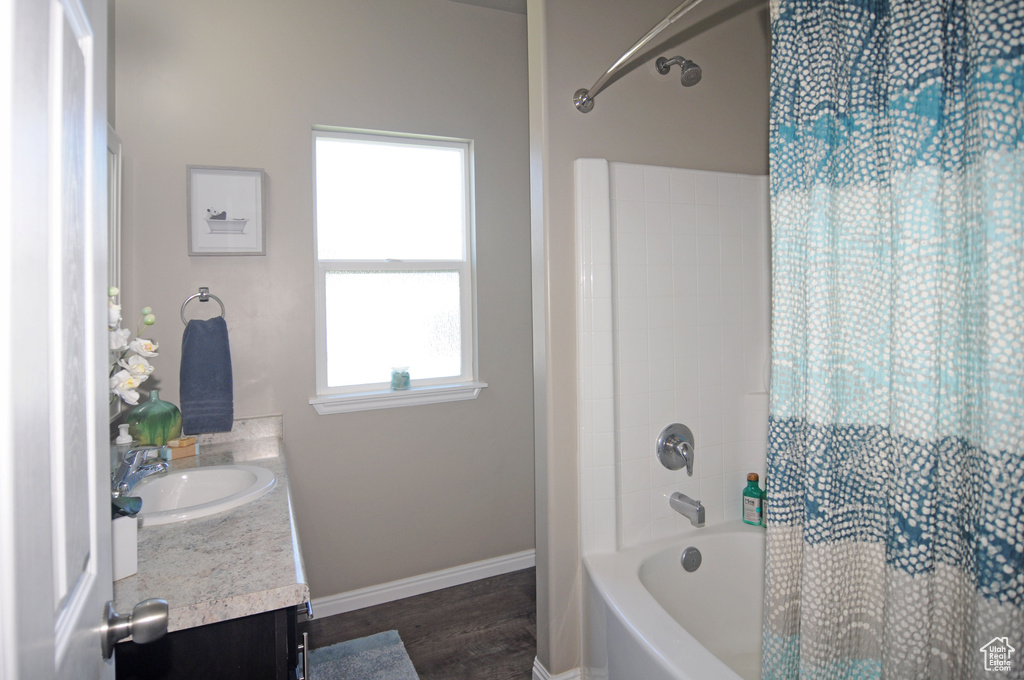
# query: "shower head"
689 72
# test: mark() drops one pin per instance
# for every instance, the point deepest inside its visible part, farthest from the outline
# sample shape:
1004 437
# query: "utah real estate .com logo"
997 654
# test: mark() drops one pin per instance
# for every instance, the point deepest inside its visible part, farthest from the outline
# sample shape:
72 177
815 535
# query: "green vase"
154 422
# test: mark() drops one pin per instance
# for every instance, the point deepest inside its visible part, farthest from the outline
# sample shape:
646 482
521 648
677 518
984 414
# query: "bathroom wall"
720 125
379 495
672 310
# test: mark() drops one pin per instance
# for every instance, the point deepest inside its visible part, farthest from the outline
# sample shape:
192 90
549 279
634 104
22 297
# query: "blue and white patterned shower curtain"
895 466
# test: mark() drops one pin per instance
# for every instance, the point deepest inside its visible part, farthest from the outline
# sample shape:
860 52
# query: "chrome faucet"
688 508
132 469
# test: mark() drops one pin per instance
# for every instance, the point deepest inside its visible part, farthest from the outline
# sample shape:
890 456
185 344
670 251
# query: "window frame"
346 398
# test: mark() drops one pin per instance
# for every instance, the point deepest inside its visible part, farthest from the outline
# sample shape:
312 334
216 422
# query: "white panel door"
54 462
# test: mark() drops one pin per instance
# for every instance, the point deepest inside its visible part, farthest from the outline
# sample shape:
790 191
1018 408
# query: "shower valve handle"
675 448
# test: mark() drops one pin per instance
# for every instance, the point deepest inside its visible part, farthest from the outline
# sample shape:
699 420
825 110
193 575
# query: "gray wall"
721 124
379 495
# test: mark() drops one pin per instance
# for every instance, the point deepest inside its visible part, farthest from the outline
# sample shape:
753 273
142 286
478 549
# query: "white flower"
130 397
113 315
124 380
119 339
137 366
146 348
123 384
128 372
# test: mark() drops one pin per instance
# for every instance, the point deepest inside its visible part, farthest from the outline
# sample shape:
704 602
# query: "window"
394 246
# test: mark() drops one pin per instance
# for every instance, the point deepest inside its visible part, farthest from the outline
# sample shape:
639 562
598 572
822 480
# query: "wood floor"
485 629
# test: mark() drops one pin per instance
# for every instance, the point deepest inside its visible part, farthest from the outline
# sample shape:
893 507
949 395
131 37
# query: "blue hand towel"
207 397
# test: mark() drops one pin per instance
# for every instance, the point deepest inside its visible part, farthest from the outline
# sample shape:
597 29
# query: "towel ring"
204 295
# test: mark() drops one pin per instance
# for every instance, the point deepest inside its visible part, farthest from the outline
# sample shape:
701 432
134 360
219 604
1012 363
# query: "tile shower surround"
672 311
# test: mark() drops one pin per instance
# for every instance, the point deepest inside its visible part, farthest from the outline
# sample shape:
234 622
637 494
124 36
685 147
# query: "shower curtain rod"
584 98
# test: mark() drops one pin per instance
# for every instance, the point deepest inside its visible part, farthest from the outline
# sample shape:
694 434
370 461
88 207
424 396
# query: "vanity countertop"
239 562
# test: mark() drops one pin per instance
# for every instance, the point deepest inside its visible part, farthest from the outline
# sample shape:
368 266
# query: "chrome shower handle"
675 448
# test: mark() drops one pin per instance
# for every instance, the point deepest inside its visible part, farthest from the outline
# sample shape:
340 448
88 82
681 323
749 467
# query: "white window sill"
366 401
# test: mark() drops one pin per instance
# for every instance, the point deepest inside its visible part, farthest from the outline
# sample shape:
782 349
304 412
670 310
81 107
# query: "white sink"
180 495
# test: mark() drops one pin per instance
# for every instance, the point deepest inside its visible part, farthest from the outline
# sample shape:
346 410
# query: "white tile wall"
673 315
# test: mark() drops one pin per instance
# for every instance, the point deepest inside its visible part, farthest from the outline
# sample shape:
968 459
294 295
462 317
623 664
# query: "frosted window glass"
379 200
379 320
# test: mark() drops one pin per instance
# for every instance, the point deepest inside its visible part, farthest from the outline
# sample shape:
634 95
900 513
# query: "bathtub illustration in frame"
226 209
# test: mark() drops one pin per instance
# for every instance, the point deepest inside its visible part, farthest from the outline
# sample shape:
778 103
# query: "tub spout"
688 508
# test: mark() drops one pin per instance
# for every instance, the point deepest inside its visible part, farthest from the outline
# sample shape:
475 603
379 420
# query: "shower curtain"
895 468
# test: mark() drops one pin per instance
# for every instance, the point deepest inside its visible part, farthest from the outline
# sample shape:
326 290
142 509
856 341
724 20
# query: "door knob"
146 623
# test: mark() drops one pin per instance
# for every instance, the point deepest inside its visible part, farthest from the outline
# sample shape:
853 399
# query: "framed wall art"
226 209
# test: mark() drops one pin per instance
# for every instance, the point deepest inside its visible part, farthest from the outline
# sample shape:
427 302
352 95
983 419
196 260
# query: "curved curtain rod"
584 98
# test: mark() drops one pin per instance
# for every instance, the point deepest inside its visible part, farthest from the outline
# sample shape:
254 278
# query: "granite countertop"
236 563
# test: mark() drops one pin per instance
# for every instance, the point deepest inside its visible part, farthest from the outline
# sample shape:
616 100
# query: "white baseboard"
425 583
541 673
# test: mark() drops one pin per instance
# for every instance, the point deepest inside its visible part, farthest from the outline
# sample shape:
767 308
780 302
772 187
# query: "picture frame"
226 211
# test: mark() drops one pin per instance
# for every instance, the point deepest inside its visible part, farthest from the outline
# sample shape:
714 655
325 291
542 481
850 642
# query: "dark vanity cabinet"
257 647
241 570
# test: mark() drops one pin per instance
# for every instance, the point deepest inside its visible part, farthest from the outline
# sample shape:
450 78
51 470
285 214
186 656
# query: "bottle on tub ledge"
753 501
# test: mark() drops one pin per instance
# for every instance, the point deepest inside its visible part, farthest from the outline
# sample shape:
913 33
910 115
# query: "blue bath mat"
377 657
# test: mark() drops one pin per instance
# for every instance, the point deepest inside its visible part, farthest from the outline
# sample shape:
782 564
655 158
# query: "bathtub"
646 617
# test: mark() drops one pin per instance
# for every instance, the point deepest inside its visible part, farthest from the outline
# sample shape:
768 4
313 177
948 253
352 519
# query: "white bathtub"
647 618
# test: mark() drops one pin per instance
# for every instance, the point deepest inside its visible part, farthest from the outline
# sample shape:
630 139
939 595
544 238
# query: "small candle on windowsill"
400 378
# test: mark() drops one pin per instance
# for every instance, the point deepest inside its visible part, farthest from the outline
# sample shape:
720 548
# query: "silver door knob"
146 623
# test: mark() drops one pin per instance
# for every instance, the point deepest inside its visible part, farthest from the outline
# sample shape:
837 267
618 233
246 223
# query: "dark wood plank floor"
485 629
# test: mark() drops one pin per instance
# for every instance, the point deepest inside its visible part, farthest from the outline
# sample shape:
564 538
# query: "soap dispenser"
122 445
123 438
